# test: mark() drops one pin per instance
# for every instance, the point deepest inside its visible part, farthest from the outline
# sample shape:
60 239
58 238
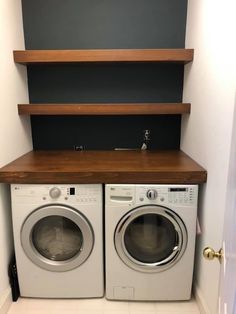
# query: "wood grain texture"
103 167
103 55
104 109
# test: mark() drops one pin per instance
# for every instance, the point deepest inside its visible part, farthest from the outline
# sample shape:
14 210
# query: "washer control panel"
158 194
78 193
167 194
182 195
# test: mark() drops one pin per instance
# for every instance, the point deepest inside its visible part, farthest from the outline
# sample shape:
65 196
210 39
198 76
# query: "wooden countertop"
103 167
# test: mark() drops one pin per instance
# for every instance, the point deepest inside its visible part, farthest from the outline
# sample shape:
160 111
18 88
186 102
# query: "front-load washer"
58 236
150 241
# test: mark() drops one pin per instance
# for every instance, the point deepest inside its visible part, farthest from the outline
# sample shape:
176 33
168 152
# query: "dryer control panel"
58 193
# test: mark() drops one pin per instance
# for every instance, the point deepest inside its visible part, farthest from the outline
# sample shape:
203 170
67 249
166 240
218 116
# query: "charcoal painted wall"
81 24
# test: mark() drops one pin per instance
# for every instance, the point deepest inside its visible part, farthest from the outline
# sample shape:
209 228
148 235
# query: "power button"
55 192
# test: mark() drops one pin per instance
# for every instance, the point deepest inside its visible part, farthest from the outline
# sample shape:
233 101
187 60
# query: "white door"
227 293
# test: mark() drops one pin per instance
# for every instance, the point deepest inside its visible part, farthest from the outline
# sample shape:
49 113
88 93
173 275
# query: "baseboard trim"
204 309
5 301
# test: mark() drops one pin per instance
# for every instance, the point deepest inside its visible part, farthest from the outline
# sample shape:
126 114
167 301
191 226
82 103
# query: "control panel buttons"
151 194
55 192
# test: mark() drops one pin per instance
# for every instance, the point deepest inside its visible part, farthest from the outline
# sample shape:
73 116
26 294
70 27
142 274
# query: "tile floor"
100 306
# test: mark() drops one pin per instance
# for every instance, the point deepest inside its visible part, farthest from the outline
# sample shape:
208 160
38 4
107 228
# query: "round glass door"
57 238
150 238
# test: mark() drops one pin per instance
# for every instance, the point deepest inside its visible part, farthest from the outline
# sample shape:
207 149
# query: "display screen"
178 190
72 191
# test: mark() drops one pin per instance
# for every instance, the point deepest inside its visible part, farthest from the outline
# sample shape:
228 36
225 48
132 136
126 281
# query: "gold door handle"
210 254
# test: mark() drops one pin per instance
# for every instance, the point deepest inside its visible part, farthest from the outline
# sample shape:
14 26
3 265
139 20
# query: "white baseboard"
203 307
5 301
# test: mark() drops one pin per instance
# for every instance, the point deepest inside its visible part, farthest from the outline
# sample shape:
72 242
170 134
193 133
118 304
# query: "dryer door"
57 238
150 238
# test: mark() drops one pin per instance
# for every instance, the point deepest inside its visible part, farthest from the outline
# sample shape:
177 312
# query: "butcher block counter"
171 166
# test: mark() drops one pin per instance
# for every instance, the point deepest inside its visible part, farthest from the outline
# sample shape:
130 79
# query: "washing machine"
58 237
150 241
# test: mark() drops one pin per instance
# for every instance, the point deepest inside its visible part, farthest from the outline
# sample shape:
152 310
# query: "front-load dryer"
150 241
58 236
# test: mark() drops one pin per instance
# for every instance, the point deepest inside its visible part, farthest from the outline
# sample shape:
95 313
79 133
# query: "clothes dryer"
58 240
150 241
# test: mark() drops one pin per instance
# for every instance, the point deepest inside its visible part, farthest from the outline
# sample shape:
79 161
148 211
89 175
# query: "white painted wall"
209 85
15 137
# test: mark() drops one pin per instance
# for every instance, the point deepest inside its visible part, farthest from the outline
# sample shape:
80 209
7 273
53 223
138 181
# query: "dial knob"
55 192
151 194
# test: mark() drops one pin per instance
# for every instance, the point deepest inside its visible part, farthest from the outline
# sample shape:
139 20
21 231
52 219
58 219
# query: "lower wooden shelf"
103 167
104 109
103 55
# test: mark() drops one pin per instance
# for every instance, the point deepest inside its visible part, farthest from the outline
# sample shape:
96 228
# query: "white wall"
15 137
206 135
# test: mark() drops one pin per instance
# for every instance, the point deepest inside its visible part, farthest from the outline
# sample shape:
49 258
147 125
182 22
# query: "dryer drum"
150 238
57 238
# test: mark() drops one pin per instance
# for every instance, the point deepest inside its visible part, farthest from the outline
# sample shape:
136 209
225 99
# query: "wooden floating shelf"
105 109
103 55
59 167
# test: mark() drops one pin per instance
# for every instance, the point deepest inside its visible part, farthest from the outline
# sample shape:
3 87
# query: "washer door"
150 238
57 238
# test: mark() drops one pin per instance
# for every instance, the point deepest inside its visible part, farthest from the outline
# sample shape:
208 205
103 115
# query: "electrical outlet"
78 147
146 135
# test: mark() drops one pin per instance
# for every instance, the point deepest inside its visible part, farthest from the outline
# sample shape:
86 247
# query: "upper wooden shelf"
103 55
104 167
104 109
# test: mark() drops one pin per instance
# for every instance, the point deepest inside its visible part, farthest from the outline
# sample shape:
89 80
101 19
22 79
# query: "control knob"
55 192
151 194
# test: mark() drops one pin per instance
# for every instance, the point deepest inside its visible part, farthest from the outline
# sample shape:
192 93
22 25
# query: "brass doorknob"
210 254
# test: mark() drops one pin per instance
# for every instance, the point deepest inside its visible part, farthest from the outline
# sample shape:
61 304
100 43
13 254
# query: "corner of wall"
201 302
5 301
15 135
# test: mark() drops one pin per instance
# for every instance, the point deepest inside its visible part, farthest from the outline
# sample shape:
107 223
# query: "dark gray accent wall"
63 132
106 83
78 24
85 24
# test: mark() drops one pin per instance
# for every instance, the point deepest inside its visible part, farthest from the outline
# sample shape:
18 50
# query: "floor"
100 306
